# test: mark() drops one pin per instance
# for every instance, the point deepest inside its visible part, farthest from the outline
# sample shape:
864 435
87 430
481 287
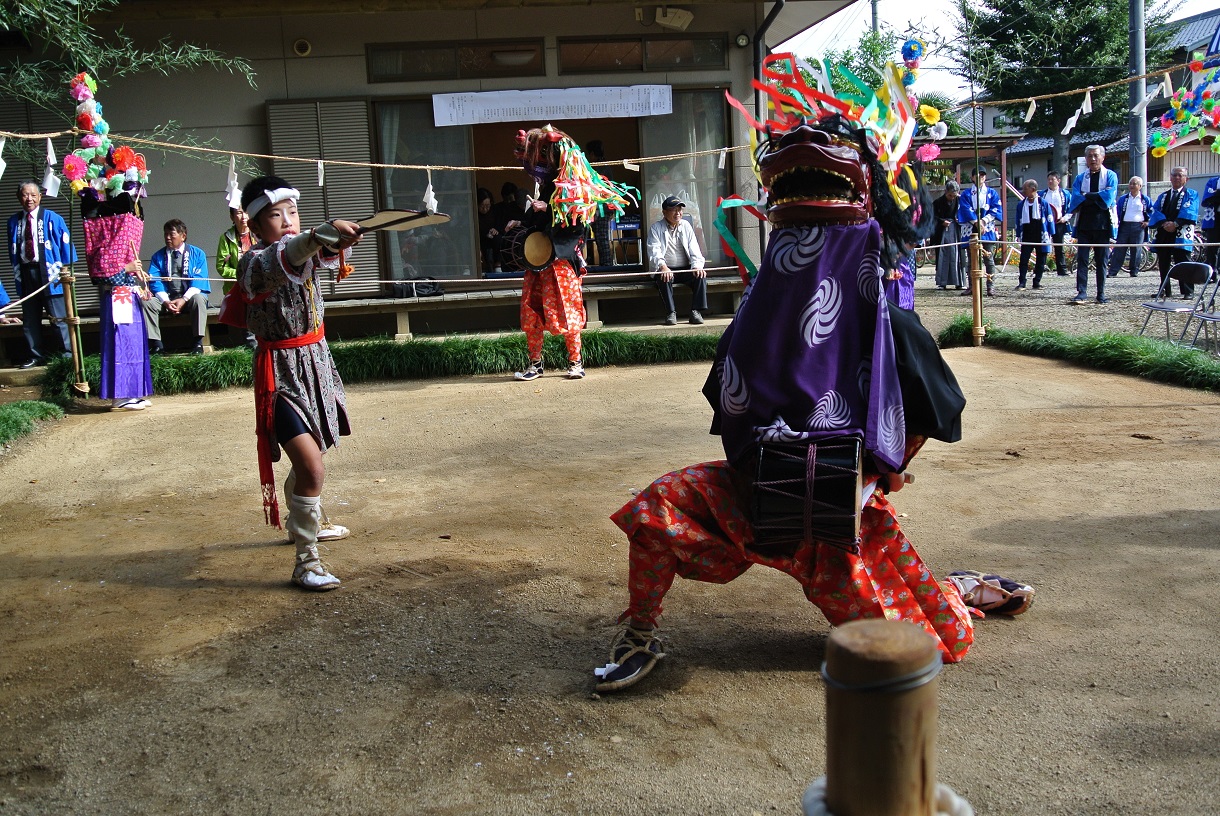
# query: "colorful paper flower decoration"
927 152
929 114
123 158
913 49
98 168
75 167
1157 152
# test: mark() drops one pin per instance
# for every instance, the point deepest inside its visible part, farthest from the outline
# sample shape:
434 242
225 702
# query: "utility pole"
1137 133
874 2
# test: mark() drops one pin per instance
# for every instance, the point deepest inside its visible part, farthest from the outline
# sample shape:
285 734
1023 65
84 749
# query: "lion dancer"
810 357
571 194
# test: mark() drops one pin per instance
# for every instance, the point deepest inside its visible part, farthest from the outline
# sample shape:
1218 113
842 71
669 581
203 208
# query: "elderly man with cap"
672 246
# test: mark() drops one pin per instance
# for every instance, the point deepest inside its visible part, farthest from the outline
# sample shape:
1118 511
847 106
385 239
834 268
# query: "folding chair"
1207 316
1193 273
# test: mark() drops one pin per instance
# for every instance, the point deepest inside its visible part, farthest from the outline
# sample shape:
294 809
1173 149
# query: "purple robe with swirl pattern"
810 353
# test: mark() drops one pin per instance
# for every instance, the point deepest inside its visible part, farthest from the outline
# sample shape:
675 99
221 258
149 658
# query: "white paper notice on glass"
547 104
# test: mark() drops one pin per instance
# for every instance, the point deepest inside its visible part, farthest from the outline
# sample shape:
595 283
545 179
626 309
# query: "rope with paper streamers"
135 140
999 103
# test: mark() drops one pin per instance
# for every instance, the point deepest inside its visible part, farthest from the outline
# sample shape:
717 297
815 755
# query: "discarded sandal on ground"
993 593
632 655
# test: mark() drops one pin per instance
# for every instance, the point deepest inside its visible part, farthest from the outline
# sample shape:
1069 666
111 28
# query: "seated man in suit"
672 245
178 278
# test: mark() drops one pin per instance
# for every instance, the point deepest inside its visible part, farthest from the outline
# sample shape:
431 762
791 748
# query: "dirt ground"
155 659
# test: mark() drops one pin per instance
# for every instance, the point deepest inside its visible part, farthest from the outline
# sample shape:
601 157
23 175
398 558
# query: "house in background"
440 85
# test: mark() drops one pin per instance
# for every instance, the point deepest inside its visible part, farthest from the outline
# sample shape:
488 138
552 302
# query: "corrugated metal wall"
333 130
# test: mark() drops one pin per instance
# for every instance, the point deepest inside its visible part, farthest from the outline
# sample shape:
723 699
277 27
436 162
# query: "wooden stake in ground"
977 281
881 682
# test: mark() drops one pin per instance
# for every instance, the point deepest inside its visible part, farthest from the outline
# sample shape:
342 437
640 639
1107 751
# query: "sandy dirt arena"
156 661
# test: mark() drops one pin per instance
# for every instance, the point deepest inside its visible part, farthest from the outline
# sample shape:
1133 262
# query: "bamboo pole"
81 386
977 282
881 684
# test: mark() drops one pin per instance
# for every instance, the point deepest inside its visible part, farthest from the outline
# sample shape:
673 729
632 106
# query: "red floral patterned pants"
691 523
551 301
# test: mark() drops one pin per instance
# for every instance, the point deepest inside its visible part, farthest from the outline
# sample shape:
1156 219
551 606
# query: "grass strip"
1145 357
17 418
386 359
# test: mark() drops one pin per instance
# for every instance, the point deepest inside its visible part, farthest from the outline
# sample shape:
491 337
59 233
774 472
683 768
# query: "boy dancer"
298 396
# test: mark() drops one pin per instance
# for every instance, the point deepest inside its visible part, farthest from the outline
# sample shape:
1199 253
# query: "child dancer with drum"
571 195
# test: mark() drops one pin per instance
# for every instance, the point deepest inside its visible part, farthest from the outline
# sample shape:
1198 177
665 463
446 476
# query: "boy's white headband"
272 197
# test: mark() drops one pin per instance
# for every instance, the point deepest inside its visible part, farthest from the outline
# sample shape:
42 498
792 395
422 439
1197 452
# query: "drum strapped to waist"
808 491
526 248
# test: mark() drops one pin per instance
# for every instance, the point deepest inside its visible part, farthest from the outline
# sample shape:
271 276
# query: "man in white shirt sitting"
672 245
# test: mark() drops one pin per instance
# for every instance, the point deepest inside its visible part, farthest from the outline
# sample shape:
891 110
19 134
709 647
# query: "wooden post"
881 741
81 386
977 282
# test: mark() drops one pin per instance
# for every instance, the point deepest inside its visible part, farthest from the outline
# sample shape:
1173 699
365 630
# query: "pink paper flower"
74 167
91 140
928 152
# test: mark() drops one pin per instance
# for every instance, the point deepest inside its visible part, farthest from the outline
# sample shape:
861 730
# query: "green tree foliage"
62 42
1015 49
871 53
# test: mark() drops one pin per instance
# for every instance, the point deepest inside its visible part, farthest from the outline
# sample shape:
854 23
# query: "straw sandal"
632 655
993 593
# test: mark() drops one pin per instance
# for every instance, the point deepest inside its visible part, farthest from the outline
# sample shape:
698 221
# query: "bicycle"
1069 257
925 256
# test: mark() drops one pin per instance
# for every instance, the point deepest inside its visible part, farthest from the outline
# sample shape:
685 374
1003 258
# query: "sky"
847 25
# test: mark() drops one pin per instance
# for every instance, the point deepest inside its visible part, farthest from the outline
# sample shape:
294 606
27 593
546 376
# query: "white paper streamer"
1071 123
321 173
3 163
1167 86
635 168
1029 113
50 184
232 191
724 154
1142 105
429 197
50 181
1086 107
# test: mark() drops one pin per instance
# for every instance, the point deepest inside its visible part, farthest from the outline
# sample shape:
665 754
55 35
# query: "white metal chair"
1204 318
1192 273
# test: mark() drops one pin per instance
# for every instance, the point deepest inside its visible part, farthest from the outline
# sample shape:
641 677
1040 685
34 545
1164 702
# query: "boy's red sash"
264 412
